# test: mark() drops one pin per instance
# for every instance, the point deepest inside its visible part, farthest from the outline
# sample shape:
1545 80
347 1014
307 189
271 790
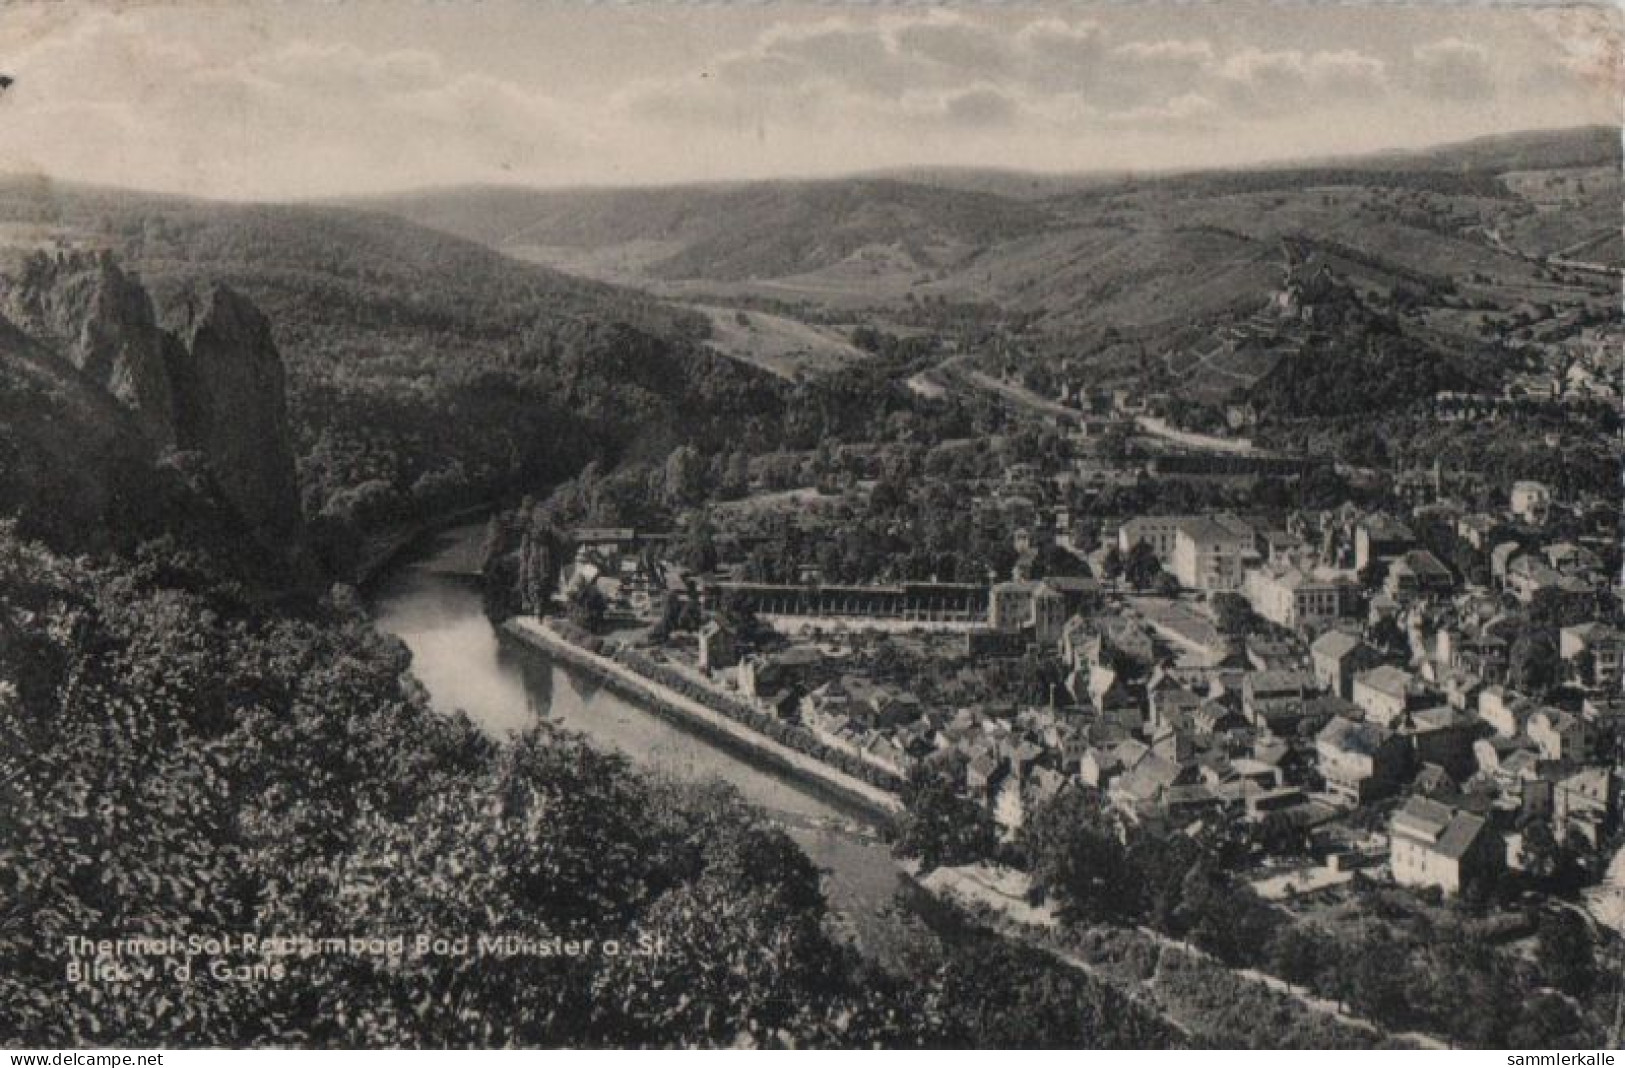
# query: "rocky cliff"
102 320
231 405
206 387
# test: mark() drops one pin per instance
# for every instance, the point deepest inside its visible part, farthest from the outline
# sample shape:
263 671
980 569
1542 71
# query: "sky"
294 99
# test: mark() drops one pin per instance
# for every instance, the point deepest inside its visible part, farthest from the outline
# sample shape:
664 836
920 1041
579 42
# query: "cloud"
1276 82
1070 74
983 106
1453 69
268 103
300 117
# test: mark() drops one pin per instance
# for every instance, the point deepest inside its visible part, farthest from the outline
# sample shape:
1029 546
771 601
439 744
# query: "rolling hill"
1074 253
733 232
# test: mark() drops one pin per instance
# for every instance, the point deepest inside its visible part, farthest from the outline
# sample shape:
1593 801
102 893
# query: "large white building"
1014 605
1436 845
1385 693
1288 597
1157 531
1210 554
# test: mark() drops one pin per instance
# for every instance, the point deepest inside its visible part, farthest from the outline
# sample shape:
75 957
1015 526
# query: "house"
719 647
1602 645
1208 552
983 777
1385 693
1529 576
1440 736
1501 557
1477 530
1274 699
1141 788
1505 710
1530 501
1336 657
1049 614
1101 764
1434 845
1560 735
1418 573
1010 605
1107 691
1576 560
1504 759
1585 804
1098 640
1288 597
1269 653
1157 531
1380 537
1013 606
1081 593
1485 655
1172 708
1361 761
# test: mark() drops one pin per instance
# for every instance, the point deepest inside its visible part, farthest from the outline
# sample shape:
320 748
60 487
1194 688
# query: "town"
1353 677
812 526
1306 668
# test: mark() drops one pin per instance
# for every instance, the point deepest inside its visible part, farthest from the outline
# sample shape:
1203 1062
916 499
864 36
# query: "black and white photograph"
784 525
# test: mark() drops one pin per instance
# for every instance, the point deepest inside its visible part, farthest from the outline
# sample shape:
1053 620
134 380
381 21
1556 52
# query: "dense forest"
183 761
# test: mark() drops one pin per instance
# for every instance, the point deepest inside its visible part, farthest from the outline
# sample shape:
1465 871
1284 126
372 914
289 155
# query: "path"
1004 890
1192 440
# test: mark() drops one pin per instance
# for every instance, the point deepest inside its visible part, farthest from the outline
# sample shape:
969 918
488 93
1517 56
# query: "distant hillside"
753 230
1581 146
1074 252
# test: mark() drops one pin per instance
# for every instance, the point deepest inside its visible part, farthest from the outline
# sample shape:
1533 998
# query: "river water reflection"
464 663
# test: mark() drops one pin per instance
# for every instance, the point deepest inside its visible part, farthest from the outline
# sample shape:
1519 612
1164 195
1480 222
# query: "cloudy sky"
298 98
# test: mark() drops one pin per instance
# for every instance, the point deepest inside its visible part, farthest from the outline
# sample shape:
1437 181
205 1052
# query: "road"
1200 442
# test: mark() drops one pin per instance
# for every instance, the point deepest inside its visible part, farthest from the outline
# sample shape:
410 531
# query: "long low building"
907 601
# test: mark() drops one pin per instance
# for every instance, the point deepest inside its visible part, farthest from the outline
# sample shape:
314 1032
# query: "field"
787 347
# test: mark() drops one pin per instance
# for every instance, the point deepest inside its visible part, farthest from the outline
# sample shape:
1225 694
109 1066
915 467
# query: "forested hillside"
424 372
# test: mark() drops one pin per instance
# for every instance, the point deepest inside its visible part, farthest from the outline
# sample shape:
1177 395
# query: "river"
433 605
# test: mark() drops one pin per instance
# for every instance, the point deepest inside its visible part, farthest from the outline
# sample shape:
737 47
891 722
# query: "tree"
1112 565
1141 567
939 825
587 607
1232 613
1386 636
1165 585
1565 952
1553 608
1076 858
684 477
1296 954
697 549
1534 666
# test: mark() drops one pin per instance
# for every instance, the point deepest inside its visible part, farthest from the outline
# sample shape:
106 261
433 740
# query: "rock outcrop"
211 385
86 308
231 405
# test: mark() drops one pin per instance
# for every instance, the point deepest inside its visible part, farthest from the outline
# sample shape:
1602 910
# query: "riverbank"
877 804
386 548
